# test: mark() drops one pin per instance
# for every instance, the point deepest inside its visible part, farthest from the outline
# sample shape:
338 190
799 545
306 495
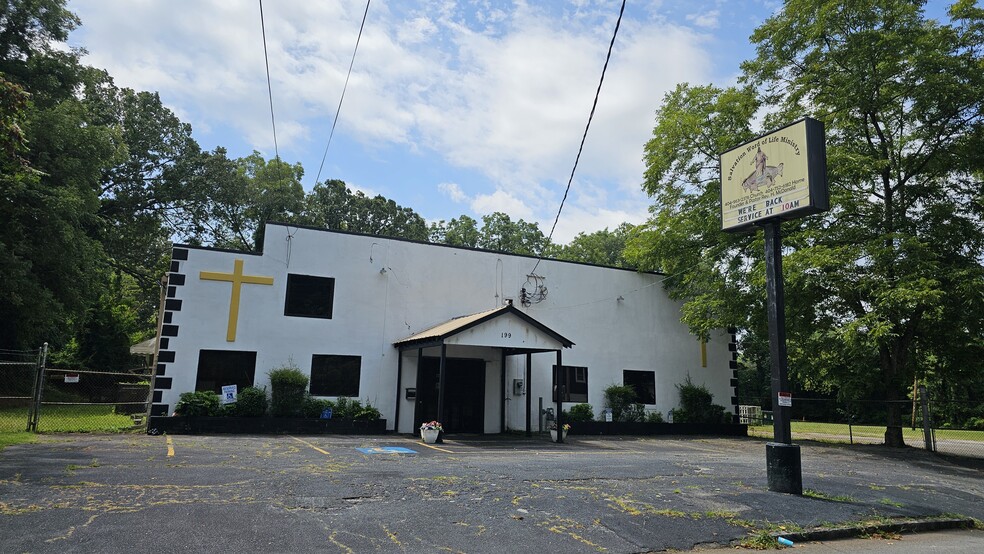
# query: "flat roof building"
378 319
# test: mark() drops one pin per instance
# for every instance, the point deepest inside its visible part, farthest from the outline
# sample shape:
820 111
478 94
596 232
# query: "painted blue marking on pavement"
386 450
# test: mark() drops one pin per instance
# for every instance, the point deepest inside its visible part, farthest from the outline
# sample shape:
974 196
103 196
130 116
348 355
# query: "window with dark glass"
333 375
644 383
225 367
309 296
575 383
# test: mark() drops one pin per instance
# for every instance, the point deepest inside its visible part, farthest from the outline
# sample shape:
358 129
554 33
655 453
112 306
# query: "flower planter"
553 435
430 436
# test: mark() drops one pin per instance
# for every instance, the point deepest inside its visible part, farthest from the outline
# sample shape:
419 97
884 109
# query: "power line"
584 137
273 120
344 88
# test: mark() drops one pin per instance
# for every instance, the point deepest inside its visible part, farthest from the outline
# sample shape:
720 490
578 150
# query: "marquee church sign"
775 177
778 175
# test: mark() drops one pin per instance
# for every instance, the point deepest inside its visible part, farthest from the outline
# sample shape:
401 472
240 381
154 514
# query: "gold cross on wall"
237 279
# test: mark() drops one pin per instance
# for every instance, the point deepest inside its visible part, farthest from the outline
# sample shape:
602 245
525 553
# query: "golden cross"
237 279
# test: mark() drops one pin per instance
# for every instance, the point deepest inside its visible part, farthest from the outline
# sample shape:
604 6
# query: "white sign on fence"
71 377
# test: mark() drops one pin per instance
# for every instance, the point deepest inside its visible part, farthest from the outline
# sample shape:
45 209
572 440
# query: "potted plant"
431 431
553 431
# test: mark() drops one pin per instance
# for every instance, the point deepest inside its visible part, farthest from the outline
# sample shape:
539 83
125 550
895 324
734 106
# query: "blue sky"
453 108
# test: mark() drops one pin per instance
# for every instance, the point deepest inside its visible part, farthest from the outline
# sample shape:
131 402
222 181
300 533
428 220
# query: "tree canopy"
889 283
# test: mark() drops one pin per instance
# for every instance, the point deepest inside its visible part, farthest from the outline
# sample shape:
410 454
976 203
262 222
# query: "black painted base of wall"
640 428
180 425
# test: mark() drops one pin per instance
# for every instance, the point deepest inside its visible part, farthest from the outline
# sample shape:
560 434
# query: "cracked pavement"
120 493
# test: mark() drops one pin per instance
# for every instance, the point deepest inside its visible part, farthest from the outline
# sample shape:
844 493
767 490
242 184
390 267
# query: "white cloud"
707 20
502 201
453 191
502 91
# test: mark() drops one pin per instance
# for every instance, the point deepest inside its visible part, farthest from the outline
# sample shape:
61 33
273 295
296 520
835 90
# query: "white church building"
381 319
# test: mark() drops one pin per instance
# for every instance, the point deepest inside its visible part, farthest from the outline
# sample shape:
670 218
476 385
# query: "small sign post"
778 176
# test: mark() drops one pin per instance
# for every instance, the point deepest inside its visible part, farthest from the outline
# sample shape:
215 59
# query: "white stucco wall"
386 290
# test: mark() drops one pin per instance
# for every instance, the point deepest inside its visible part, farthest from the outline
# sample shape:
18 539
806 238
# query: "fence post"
850 423
927 426
35 412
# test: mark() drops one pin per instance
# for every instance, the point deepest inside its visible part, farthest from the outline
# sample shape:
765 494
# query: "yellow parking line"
170 447
435 447
306 443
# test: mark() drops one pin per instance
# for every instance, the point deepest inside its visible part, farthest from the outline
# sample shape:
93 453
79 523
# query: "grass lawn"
16 437
839 432
68 419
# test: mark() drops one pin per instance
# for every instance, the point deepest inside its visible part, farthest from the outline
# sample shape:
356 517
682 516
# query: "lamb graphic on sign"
763 174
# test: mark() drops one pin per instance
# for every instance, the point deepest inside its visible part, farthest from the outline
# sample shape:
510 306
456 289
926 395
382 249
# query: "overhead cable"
584 137
344 88
273 120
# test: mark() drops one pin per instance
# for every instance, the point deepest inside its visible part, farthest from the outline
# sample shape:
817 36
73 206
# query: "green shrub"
579 413
314 406
346 408
976 423
368 413
654 417
622 401
696 405
198 403
250 402
288 390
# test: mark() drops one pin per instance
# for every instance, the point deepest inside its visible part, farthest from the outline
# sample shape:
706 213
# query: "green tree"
502 234
601 247
892 275
332 205
460 231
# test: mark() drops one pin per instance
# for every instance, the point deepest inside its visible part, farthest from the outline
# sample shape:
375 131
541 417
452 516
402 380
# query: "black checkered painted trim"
169 330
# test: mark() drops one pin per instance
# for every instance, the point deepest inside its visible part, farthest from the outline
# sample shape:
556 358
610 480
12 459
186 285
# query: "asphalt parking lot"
126 493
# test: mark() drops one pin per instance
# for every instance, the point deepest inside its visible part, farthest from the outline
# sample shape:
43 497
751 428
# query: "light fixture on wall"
620 298
382 271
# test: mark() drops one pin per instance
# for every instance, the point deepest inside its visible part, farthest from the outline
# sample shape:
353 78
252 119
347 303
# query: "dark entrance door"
464 394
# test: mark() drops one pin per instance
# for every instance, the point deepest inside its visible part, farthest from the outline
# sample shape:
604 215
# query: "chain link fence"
51 400
18 384
92 401
864 422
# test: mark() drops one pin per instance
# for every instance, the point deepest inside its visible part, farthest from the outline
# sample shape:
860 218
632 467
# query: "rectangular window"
333 375
225 367
575 382
309 296
644 383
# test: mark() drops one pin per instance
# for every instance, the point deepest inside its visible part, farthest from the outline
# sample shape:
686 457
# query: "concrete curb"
915 526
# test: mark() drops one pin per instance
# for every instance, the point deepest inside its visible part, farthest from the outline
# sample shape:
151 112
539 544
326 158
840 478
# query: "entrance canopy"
506 327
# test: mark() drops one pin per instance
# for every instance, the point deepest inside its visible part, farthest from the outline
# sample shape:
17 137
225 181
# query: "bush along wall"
289 409
697 415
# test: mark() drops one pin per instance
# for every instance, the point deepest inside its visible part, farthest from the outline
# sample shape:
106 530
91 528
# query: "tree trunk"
890 369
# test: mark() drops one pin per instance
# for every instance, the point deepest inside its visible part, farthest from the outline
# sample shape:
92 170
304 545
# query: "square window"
575 381
333 375
225 367
309 296
644 383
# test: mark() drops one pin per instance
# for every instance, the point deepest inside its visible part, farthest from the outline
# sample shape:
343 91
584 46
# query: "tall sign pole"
778 176
776 311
